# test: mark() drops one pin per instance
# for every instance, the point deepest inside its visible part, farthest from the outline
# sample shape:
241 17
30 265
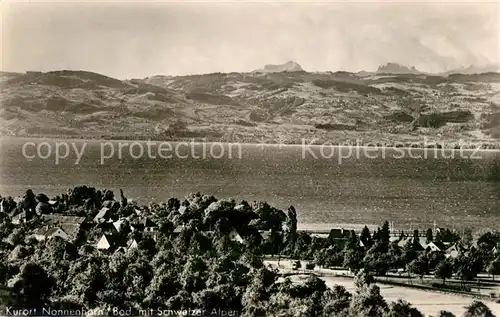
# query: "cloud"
137 40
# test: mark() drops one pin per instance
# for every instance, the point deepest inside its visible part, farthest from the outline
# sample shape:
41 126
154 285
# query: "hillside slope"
255 107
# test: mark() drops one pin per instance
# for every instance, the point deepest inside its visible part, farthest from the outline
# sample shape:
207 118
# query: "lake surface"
460 191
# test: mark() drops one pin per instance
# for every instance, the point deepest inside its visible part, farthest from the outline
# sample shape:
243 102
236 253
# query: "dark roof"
402 243
440 245
147 222
42 198
107 227
338 233
113 240
43 208
153 235
20 215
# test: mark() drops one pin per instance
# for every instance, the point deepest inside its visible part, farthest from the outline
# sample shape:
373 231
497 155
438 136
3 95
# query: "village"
94 224
54 222
110 231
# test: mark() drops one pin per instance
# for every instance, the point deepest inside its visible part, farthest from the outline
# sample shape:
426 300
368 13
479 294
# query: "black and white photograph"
262 158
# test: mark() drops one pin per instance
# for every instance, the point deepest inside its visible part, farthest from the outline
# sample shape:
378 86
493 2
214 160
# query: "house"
235 236
102 215
152 234
55 219
420 245
319 235
107 228
48 233
453 251
43 208
132 244
178 229
435 246
107 242
265 235
19 218
71 225
394 239
404 241
149 225
339 233
117 224
121 249
241 207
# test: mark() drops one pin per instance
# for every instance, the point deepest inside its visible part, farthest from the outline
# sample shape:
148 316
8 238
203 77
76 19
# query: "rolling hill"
282 104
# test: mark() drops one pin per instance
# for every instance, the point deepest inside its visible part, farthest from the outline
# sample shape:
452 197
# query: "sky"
135 40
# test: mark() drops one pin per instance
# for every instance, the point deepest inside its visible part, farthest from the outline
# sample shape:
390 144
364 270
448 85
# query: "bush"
310 266
296 265
451 287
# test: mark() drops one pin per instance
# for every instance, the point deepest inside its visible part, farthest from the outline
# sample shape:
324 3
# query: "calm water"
455 192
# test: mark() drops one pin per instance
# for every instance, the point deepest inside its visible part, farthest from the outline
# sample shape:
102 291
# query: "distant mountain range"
286 67
388 68
394 68
279 103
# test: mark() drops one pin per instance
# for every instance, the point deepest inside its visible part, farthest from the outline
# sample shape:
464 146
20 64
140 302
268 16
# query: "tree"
336 302
489 239
32 287
478 309
366 238
409 253
419 266
416 240
494 267
385 234
256 296
291 228
402 308
428 236
368 302
353 254
444 313
435 257
467 238
395 256
466 267
163 286
297 265
320 258
377 235
377 259
444 270
363 279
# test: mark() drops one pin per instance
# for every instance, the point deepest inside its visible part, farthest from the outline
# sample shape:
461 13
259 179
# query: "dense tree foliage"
207 254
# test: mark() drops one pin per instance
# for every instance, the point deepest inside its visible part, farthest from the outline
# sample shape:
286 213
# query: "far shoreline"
471 146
